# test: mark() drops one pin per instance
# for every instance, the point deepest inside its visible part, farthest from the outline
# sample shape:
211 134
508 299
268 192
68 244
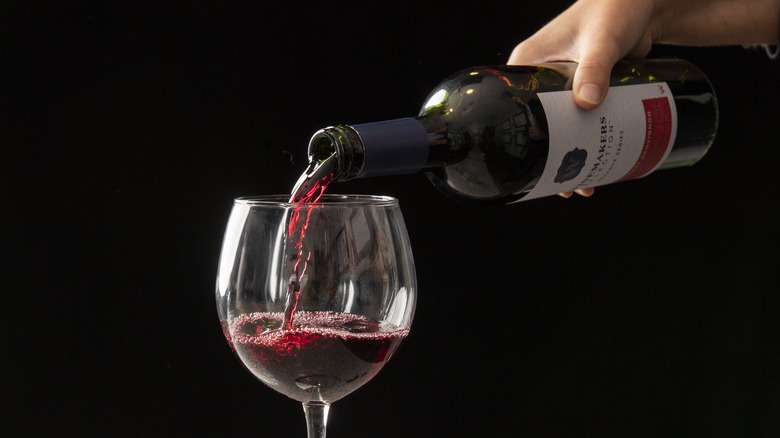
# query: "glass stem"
316 418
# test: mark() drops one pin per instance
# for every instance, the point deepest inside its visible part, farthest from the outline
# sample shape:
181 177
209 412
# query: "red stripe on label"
658 119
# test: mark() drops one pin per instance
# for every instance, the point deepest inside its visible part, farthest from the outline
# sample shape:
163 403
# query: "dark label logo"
571 165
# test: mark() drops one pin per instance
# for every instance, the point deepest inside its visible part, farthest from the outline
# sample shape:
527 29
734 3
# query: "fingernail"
590 93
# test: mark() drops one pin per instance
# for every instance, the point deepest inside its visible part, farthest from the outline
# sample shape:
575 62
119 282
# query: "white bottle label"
627 137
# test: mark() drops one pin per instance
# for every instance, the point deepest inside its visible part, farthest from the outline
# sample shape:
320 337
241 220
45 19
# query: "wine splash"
308 189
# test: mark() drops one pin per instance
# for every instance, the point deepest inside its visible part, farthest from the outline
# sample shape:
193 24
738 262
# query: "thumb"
597 58
591 81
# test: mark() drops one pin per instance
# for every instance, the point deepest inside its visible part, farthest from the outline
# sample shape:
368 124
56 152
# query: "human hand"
595 34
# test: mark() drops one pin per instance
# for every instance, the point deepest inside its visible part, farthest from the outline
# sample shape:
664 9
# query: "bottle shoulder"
488 131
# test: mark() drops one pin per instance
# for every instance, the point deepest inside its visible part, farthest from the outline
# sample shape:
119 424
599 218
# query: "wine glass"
315 297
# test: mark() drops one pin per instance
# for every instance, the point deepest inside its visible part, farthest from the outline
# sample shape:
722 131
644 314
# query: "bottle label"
627 137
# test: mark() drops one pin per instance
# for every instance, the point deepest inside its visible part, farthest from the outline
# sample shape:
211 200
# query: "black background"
649 309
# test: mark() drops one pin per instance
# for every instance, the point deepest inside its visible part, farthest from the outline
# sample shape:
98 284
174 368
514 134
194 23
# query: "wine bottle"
502 134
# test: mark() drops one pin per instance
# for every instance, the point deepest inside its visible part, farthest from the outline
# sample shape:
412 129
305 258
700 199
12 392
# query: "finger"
553 42
538 49
616 31
588 192
582 192
591 79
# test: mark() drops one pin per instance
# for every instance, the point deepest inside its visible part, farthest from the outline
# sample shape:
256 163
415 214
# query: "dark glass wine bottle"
502 134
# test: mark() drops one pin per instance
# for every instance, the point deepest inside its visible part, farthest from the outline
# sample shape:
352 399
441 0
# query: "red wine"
226 332
323 357
314 180
308 189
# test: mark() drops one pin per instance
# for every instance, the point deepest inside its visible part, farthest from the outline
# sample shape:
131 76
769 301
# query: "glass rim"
327 199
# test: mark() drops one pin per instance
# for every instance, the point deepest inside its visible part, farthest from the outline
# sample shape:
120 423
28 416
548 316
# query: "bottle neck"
345 144
390 147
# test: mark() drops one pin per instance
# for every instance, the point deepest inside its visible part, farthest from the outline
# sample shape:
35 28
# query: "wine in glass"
315 297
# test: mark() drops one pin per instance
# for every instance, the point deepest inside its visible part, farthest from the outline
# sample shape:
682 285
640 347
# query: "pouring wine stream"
309 188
